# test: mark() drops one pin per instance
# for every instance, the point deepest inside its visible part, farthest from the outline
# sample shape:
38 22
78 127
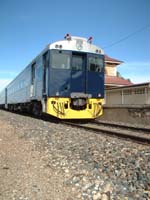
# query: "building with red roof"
121 92
111 75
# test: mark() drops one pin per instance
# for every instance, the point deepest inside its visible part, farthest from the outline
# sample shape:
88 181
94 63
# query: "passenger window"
77 62
95 64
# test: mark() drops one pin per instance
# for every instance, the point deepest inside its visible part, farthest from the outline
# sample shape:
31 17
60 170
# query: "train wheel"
37 109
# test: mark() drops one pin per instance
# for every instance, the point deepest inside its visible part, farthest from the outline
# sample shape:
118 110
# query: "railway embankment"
133 114
46 160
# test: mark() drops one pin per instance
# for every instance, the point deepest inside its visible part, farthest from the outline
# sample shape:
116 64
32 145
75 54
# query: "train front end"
76 79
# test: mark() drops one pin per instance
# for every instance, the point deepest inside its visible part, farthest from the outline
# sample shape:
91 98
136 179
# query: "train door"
45 73
32 94
6 105
78 73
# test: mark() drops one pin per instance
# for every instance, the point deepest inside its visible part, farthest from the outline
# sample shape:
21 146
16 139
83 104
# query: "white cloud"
6 76
4 83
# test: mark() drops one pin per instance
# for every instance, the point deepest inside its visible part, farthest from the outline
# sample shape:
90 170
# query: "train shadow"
50 118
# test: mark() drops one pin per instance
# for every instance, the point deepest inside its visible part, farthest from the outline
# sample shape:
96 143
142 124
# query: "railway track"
136 134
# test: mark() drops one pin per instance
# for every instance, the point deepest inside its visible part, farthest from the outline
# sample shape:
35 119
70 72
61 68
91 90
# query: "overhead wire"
128 36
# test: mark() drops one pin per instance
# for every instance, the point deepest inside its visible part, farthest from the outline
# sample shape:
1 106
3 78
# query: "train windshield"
60 60
76 61
95 64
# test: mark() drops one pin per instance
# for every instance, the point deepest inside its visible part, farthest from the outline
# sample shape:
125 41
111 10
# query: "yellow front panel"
58 108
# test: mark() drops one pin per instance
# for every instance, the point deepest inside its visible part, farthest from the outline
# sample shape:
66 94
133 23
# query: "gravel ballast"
43 160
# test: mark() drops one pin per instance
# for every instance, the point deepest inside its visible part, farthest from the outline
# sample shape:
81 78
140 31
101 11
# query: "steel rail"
125 126
121 134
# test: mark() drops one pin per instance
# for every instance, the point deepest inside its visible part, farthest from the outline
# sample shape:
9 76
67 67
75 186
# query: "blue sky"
26 27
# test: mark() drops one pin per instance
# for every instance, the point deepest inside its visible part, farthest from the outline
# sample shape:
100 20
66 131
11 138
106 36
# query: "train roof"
74 43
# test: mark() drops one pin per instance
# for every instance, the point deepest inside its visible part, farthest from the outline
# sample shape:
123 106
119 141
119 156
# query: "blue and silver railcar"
65 80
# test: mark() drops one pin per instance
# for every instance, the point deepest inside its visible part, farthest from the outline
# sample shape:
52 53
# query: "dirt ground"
23 175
